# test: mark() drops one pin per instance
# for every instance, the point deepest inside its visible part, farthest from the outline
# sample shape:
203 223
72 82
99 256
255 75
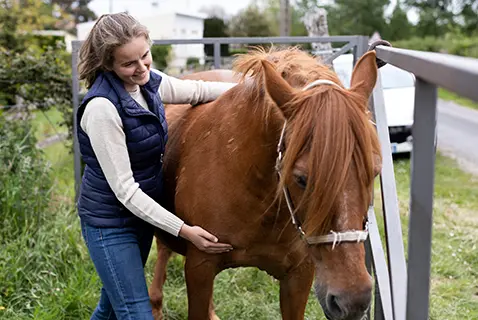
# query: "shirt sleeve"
176 91
104 127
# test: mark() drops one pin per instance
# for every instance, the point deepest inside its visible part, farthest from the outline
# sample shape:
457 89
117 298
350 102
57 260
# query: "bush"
161 56
452 44
236 51
192 62
41 77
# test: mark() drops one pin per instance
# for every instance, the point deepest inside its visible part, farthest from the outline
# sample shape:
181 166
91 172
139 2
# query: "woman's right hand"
203 240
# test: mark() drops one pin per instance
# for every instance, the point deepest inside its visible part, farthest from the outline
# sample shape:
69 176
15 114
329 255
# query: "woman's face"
132 62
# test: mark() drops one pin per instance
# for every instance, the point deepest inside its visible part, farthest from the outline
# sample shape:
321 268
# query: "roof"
56 33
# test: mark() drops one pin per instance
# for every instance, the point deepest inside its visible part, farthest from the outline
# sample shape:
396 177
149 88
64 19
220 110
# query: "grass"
450 96
48 124
454 282
50 276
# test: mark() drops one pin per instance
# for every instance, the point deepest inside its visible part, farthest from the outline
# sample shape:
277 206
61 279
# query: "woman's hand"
203 240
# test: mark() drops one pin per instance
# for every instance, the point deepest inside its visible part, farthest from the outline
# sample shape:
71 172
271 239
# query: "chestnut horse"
271 167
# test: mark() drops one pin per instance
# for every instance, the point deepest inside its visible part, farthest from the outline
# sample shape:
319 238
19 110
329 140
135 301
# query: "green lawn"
53 278
47 123
450 96
454 283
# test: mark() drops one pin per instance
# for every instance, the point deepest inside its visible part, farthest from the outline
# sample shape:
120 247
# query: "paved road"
458 134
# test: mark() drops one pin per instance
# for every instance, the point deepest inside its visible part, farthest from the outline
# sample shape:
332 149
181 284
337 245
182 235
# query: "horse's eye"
301 181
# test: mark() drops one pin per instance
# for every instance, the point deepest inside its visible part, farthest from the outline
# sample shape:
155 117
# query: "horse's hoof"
214 317
158 315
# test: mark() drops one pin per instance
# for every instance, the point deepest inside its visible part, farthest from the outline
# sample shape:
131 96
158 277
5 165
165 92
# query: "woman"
122 133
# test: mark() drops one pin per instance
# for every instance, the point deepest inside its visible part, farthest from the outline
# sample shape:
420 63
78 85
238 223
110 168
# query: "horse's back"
176 114
219 75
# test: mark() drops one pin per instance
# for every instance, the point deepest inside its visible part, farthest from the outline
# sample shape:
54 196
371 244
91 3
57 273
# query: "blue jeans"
119 256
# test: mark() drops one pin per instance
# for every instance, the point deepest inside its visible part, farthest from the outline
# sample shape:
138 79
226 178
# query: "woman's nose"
142 66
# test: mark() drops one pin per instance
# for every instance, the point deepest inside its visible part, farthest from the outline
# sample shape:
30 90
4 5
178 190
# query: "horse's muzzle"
346 306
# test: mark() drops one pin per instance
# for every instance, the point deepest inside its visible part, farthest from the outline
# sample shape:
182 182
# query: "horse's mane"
329 122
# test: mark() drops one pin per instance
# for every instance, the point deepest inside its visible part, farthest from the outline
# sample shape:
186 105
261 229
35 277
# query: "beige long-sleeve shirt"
104 127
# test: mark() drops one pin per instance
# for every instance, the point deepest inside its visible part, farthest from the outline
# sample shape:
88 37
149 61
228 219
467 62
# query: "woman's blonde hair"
108 33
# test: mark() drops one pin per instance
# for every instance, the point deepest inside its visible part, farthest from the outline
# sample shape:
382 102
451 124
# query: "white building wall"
83 29
187 27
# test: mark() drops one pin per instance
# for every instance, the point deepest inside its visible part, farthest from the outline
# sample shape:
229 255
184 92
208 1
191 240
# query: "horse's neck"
254 132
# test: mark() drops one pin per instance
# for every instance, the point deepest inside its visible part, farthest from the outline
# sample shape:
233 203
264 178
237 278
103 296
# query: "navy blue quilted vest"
146 136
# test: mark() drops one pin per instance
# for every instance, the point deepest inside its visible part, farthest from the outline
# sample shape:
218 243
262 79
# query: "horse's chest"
269 255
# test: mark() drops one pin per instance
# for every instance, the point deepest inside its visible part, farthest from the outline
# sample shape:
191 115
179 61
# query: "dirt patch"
51 140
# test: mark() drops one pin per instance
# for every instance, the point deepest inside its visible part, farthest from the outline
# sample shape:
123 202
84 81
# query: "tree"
399 28
250 22
214 11
271 11
19 18
470 18
439 17
357 17
77 8
215 27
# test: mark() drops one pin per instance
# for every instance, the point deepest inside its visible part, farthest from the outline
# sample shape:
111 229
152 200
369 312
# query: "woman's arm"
104 127
176 91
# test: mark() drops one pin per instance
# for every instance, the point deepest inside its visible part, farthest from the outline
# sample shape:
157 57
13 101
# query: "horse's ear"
364 75
279 90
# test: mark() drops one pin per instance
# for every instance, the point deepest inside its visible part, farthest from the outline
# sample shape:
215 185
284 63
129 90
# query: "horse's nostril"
347 306
333 306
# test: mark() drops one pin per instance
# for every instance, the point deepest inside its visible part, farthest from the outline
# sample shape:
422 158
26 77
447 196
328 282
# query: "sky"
144 7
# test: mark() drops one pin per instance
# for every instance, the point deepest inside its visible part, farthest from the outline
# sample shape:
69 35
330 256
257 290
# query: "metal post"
393 229
361 48
217 55
76 90
383 295
421 200
383 306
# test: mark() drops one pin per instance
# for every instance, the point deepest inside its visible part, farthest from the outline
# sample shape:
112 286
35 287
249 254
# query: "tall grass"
24 180
42 269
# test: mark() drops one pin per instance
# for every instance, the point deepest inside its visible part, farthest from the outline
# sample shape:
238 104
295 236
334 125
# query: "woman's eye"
301 181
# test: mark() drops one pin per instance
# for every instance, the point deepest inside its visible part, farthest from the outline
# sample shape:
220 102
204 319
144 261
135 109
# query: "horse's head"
329 157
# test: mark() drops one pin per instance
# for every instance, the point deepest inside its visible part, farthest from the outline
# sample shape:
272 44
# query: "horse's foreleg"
294 292
156 288
200 271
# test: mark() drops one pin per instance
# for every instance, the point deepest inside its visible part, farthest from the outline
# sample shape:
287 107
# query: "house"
169 25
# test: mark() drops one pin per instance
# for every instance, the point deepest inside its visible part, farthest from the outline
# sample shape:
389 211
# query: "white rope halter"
320 81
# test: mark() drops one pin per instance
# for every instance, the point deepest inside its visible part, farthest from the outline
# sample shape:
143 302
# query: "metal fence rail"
395 297
432 70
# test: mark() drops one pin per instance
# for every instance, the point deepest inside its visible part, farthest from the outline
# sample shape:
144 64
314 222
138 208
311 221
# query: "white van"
399 95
